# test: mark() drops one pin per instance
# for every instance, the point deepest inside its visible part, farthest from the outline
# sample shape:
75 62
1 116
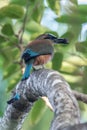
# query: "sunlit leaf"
76 60
72 19
34 27
68 68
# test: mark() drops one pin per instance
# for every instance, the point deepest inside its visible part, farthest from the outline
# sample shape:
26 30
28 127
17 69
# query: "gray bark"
47 83
80 96
77 127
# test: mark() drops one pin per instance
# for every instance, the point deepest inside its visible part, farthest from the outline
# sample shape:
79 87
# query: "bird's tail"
27 71
15 98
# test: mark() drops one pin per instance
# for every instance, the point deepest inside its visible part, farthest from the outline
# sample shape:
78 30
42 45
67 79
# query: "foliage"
20 22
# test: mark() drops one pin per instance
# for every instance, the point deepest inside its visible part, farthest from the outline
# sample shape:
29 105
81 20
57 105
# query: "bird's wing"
29 54
42 47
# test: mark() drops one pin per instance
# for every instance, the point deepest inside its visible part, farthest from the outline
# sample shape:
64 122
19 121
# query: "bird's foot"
38 67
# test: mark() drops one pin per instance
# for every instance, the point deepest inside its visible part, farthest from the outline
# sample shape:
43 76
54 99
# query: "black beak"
56 40
61 41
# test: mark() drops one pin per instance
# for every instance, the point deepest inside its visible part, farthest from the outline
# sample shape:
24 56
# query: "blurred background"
23 21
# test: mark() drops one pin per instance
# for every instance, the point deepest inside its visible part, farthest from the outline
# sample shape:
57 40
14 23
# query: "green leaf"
36 10
37 111
84 80
2 39
10 54
74 2
82 47
10 70
57 61
54 5
18 2
72 19
82 9
13 40
13 81
7 30
4 55
69 35
34 27
12 11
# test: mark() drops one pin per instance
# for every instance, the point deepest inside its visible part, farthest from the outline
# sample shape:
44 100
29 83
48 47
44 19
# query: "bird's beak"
57 40
60 41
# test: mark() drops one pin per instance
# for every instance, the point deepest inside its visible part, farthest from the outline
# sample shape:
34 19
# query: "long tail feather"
27 71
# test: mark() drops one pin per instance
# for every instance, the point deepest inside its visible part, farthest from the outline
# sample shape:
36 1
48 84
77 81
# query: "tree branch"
47 83
77 127
80 96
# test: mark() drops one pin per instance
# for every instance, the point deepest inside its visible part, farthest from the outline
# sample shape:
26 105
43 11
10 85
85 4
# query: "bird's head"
53 38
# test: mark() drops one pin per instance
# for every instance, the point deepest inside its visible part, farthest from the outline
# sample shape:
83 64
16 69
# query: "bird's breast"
41 60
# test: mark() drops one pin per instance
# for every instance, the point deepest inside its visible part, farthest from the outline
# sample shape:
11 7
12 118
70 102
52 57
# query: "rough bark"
77 127
80 96
47 83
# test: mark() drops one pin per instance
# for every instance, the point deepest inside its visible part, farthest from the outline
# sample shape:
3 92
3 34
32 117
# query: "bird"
38 52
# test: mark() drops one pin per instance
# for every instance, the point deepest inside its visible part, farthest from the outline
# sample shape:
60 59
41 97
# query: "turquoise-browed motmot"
38 52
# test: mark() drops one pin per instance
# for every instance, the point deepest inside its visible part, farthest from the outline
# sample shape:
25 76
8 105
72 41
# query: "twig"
80 96
21 32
